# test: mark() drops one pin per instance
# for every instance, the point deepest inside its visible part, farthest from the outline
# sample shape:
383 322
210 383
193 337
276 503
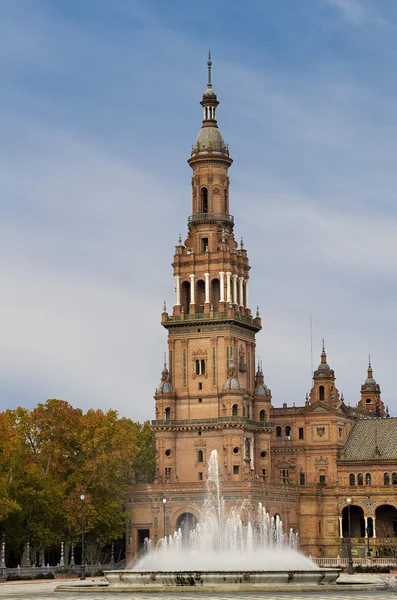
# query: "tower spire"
209 64
369 366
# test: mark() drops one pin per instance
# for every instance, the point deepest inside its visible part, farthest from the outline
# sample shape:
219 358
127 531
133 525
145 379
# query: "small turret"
324 389
370 394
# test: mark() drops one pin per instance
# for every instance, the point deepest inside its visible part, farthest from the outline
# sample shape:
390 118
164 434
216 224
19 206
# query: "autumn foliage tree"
52 454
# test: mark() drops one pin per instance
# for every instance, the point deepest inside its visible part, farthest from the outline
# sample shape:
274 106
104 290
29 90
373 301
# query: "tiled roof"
366 435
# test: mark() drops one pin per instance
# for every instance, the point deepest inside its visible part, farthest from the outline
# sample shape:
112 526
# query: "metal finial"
323 345
242 243
180 240
165 361
164 307
209 64
369 362
257 311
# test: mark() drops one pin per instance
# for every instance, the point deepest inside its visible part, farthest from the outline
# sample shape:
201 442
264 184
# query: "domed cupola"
232 381
165 386
370 394
324 389
209 142
260 387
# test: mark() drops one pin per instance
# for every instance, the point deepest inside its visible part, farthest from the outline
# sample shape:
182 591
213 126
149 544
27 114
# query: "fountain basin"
217 580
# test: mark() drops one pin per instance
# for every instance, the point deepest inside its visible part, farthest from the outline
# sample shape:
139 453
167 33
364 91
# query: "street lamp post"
62 560
164 504
350 557
82 575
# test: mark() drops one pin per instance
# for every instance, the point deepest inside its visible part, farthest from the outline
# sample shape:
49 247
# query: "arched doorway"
386 529
186 522
200 295
185 296
357 522
215 293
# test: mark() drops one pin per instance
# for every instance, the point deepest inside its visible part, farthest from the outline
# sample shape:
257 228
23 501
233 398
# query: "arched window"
288 431
394 478
352 479
360 479
321 391
368 479
235 410
262 415
204 200
167 414
386 479
200 367
200 457
215 294
185 297
278 431
200 295
368 401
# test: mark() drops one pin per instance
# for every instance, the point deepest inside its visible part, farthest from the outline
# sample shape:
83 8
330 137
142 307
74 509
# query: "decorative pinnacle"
180 240
209 64
242 243
257 311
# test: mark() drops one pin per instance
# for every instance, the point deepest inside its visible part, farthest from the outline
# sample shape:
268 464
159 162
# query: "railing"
343 562
211 217
203 316
57 570
204 422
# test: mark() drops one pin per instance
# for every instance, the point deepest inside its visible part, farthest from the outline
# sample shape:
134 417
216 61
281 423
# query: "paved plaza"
46 591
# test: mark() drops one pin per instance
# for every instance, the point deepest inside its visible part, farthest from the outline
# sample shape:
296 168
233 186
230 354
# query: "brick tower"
210 396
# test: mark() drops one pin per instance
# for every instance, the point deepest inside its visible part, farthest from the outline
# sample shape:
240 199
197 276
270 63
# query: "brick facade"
296 460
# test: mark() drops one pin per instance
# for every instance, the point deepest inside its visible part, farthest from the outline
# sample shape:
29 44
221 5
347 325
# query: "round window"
263 453
168 452
236 450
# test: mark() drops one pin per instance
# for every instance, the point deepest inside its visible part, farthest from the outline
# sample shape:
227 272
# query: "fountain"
227 550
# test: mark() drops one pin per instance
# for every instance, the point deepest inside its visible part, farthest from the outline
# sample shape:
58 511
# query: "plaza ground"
46 591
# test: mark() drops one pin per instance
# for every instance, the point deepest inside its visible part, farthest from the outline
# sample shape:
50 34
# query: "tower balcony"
216 423
227 316
211 218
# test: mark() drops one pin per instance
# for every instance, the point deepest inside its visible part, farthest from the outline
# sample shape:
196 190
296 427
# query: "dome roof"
210 139
232 381
261 390
232 384
165 388
370 380
209 93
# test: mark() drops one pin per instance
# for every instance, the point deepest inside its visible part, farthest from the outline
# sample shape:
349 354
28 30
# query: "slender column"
222 286
207 287
3 551
241 282
177 280
373 525
252 454
340 528
366 526
228 288
235 289
192 298
246 294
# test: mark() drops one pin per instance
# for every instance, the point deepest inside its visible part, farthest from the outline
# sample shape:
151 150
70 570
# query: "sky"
99 108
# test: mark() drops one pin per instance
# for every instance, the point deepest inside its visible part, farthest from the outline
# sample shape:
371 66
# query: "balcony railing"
204 422
211 217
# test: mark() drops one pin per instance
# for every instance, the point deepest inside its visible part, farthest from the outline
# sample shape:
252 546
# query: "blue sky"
99 109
